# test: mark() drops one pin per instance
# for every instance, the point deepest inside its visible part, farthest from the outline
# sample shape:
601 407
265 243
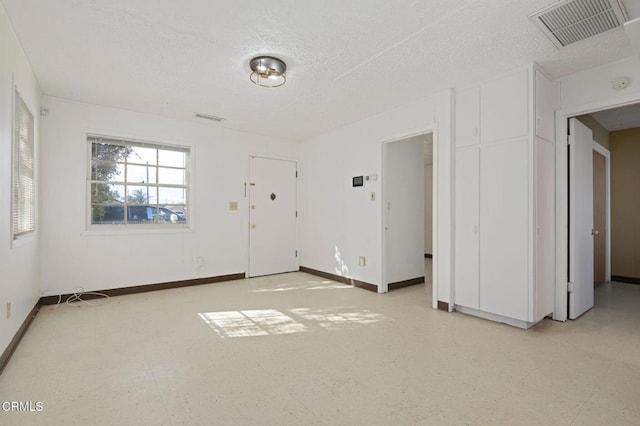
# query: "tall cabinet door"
504 213
467 232
467 117
467 199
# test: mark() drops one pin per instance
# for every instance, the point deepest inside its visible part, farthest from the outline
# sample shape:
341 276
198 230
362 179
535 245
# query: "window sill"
31 238
115 231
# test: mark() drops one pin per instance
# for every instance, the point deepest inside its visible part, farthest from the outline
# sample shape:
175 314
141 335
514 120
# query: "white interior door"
404 200
580 218
272 216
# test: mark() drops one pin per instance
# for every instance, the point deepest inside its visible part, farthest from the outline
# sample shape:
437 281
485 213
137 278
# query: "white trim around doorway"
560 312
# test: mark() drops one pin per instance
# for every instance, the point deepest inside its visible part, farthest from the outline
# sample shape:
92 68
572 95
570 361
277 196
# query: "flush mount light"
268 71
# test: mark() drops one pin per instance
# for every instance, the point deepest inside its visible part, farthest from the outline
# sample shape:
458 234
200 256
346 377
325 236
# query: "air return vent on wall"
569 21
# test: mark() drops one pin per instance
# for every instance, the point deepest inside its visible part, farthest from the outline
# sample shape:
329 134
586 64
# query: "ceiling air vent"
569 21
208 117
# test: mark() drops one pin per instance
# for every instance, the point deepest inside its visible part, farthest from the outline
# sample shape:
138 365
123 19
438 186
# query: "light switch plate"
233 205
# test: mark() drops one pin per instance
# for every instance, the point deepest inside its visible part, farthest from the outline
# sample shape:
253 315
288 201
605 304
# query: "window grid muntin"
96 141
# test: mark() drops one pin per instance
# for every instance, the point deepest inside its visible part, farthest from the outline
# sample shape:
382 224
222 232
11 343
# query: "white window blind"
23 209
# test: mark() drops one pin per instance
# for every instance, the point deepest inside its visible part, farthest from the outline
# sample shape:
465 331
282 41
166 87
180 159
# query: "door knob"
253 226
595 232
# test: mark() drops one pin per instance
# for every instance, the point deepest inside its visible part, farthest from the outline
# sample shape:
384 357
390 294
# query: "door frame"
247 198
560 312
384 284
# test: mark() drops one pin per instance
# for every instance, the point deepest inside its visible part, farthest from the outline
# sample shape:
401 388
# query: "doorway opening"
408 204
604 244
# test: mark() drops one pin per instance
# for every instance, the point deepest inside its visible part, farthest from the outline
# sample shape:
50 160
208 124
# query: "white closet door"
545 209
467 232
504 213
467 117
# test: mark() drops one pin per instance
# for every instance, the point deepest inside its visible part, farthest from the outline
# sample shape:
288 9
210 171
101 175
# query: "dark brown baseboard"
406 283
628 280
443 306
429 256
338 278
52 300
6 355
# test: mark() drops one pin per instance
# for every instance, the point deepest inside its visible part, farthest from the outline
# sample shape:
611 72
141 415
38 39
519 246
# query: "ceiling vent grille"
208 117
569 21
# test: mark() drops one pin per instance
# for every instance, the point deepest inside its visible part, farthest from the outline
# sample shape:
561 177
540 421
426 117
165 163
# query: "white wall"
18 260
588 89
403 201
73 257
428 206
338 224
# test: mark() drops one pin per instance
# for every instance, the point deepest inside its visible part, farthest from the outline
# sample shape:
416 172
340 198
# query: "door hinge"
296 213
296 253
296 173
570 287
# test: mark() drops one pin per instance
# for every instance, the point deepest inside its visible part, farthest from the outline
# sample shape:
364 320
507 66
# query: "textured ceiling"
346 59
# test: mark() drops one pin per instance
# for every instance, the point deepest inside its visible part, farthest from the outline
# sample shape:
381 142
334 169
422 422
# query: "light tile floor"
297 349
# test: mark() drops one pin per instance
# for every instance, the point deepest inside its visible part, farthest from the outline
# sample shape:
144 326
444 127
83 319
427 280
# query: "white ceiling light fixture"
268 71
569 21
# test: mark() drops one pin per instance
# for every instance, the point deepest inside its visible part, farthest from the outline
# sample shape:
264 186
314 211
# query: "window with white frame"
23 204
137 183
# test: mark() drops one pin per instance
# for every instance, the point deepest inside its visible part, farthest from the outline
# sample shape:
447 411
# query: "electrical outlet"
373 196
362 261
8 310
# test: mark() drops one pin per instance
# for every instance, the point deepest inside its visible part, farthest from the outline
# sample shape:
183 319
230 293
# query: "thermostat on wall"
358 181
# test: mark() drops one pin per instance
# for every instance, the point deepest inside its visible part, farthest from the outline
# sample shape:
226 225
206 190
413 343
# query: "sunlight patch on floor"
339 316
264 322
307 285
260 322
